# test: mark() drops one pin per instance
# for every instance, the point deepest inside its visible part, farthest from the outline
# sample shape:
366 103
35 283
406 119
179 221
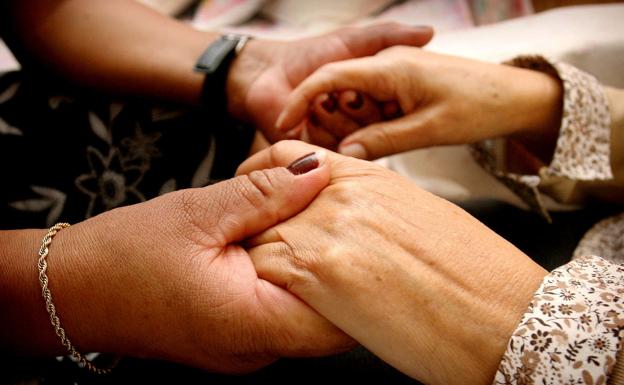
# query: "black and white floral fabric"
67 155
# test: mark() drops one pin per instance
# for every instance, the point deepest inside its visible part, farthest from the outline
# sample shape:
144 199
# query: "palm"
245 302
268 93
288 64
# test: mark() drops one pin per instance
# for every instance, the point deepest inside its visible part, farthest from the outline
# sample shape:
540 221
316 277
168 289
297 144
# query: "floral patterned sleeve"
572 331
583 149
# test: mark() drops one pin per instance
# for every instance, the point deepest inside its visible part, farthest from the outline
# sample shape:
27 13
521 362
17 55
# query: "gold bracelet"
47 297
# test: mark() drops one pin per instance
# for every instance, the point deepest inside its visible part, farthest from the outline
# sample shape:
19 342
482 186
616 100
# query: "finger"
359 107
248 204
360 42
333 77
280 154
301 331
299 101
391 110
374 38
272 262
318 135
330 118
391 137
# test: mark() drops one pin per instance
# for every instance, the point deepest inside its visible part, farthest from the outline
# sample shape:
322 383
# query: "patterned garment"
68 155
572 331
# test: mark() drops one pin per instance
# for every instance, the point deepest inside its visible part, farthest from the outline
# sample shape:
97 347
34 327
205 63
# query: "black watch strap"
215 62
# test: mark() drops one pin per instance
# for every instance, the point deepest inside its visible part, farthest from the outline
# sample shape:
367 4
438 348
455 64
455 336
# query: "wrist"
75 271
512 289
539 111
245 69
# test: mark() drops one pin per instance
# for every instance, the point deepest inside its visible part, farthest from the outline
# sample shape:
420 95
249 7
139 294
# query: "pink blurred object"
212 14
312 14
493 11
442 15
7 60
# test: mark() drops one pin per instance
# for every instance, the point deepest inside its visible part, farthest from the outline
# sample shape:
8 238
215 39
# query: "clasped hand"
412 277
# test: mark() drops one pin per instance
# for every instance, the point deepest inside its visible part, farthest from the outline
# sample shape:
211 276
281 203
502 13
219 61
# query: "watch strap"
215 63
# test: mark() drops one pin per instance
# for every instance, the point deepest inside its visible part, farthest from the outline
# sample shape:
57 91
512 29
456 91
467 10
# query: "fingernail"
294 133
307 163
329 104
313 119
357 101
391 110
355 150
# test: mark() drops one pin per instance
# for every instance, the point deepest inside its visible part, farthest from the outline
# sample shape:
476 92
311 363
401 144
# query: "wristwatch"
215 63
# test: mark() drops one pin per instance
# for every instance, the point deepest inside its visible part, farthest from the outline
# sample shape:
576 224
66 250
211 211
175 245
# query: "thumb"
369 40
248 204
386 138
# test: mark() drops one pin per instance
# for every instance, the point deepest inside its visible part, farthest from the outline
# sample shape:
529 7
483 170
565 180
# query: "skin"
167 279
122 47
442 100
412 277
187 291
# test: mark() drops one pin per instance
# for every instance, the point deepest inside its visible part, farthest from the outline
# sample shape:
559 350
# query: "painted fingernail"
356 102
391 110
329 104
355 150
313 119
307 163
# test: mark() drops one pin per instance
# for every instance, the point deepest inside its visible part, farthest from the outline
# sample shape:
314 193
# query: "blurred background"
284 19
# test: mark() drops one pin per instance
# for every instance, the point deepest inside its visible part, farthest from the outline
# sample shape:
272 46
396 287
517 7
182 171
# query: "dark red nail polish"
329 104
304 164
313 119
357 102
391 110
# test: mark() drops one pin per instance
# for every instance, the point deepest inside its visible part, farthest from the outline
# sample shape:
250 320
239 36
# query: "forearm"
118 46
24 325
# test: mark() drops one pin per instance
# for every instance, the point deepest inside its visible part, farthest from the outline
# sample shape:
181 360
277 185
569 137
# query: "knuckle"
385 139
279 149
342 194
253 189
261 189
330 70
391 25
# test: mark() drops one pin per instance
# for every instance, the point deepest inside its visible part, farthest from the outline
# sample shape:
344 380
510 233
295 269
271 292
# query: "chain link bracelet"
47 297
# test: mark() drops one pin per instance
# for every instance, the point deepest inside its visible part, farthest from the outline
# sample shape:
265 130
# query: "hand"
412 277
265 73
338 114
445 100
166 279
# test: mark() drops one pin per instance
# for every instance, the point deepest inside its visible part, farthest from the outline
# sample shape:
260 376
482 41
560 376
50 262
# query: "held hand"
444 99
166 278
265 73
412 277
336 115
